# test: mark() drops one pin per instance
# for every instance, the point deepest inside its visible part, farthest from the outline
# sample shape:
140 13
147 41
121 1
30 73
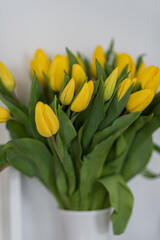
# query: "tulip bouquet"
87 129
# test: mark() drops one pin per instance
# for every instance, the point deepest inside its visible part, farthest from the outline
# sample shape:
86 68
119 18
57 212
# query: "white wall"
80 25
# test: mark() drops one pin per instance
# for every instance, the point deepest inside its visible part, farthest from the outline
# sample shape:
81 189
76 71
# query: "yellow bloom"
122 61
100 55
138 101
134 81
81 63
140 69
123 87
79 75
40 64
46 121
68 93
56 72
83 98
4 115
110 84
7 78
150 78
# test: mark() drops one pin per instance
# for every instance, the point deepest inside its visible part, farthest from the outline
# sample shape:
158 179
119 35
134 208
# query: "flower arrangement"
87 129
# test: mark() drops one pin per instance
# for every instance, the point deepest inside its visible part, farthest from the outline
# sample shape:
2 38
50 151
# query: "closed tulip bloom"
68 93
122 61
100 55
150 78
4 115
134 81
7 78
138 101
40 64
46 121
123 87
140 69
59 65
110 84
83 98
79 75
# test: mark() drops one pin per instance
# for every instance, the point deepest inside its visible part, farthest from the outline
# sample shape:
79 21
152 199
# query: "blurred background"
79 25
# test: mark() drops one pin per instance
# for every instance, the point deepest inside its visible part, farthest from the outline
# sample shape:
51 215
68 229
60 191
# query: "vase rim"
89 212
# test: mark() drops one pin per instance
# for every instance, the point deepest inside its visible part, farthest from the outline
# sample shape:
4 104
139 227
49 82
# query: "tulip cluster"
87 122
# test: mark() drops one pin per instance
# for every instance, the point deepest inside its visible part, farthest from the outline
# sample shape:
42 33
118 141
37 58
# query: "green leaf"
72 59
137 87
108 68
51 92
121 199
149 174
120 124
92 168
157 148
18 110
17 130
36 94
100 71
67 131
139 61
87 67
110 50
95 118
153 104
115 109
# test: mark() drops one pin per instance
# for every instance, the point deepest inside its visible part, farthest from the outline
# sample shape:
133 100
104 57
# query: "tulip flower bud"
79 75
140 69
138 101
123 60
59 65
40 64
68 93
81 63
123 87
4 115
110 84
150 78
134 81
46 121
83 98
100 55
7 78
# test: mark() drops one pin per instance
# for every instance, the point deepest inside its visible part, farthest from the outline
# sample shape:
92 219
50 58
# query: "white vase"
85 225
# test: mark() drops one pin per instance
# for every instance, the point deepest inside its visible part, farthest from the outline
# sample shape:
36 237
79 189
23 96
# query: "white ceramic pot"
85 225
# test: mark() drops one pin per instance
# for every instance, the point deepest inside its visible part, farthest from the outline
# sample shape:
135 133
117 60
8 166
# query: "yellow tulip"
140 69
100 55
7 78
122 61
134 81
123 87
81 63
79 75
138 101
68 93
40 64
150 78
83 98
4 115
46 121
110 84
56 72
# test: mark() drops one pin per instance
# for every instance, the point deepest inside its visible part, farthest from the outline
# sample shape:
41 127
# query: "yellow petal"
140 69
123 87
91 89
56 72
110 84
51 119
79 75
100 55
6 78
81 63
41 124
138 101
122 61
81 100
134 81
4 115
68 93
40 64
